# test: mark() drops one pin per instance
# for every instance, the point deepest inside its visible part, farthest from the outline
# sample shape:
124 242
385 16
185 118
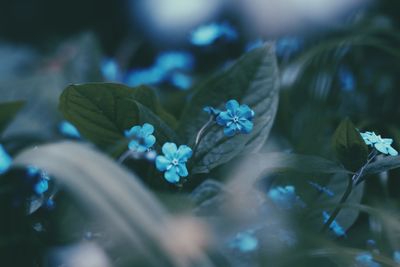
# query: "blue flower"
174 161
285 197
41 186
383 145
208 34
237 118
142 138
244 241
396 256
335 226
68 129
365 259
212 111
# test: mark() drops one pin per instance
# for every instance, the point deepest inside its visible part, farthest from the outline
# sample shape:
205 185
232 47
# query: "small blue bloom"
181 80
237 118
244 241
396 256
383 145
288 46
68 129
208 34
254 44
33 171
365 259
174 161
142 137
347 79
50 204
322 189
110 70
285 197
41 186
5 160
335 227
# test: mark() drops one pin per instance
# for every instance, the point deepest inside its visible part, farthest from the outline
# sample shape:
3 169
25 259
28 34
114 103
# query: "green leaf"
381 165
8 111
252 80
102 111
349 146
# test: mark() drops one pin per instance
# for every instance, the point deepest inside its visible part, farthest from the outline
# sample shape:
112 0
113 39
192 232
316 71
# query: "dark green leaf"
8 111
252 80
349 146
102 111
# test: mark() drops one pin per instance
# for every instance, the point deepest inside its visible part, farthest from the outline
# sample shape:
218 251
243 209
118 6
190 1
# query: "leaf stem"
353 181
206 127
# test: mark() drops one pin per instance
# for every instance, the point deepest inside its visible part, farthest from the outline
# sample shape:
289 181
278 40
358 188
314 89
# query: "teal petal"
387 141
169 149
133 145
171 176
149 141
230 130
381 148
162 163
134 131
147 129
247 126
392 151
141 149
232 105
223 118
182 170
184 153
246 112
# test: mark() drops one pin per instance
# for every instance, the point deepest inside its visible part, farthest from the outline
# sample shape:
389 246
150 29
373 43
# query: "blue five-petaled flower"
383 145
236 119
173 162
142 137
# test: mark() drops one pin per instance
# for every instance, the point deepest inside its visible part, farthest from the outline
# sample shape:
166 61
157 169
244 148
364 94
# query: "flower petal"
381 148
223 118
247 126
392 151
171 176
149 141
212 111
232 105
133 145
230 130
182 170
134 131
162 163
141 149
184 153
147 129
246 112
169 149
387 141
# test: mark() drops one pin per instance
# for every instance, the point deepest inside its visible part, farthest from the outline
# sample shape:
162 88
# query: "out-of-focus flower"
181 80
110 70
173 162
335 227
208 34
322 189
285 197
346 78
396 256
244 241
254 44
288 46
142 137
383 145
5 160
237 118
41 186
365 259
68 129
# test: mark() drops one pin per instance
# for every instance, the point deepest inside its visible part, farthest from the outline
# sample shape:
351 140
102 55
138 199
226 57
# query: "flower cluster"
383 145
142 137
235 119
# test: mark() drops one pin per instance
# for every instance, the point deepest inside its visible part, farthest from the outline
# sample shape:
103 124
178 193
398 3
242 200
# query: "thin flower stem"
353 181
124 156
345 196
206 127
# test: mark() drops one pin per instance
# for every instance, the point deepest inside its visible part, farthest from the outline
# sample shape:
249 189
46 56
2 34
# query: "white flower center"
175 162
235 119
